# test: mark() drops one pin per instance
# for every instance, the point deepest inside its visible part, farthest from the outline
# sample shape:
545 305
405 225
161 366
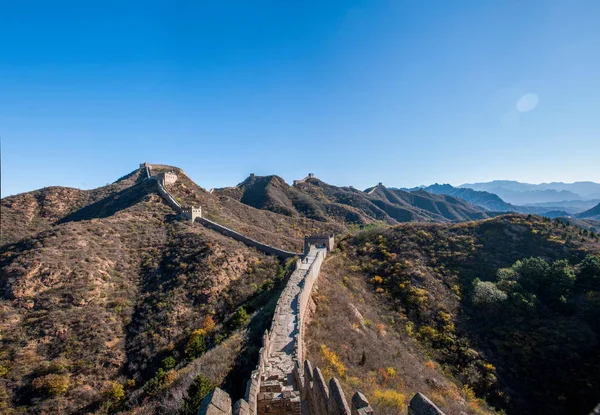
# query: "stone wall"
248 241
161 179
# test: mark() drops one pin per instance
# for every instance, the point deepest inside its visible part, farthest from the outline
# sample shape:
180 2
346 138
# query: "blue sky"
358 92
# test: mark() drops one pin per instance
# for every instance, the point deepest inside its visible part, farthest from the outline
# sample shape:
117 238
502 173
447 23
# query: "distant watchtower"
310 176
167 178
319 241
191 213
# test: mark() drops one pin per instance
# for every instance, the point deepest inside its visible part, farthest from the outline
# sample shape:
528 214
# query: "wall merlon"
241 407
337 400
421 405
217 402
360 405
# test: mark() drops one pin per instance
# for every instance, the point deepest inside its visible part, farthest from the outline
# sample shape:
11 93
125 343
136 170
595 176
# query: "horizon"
356 92
289 181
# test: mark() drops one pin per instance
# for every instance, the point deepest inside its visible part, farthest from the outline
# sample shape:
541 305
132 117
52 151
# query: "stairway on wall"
279 392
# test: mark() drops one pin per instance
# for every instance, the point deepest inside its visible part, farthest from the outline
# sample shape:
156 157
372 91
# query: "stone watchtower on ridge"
319 241
169 177
310 176
191 213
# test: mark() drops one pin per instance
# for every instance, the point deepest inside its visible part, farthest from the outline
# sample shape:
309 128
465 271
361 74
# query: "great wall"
284 381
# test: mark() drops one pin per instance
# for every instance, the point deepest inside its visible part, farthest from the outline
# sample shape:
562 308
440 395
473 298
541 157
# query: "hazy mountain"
572 206
525 193
484 199
593 213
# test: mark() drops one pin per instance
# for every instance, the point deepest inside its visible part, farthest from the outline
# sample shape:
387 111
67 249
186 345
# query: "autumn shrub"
114 392
390 399
52 384
332 361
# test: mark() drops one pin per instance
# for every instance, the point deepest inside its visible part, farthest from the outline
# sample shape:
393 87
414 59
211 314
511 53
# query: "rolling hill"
315 199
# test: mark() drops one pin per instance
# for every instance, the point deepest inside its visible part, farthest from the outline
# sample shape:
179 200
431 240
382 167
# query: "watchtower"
167 178
191 213
319 241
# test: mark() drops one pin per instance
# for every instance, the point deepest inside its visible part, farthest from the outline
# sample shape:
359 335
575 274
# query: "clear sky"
358 92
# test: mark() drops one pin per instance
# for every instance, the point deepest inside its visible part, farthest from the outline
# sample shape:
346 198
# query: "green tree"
240 318
169 362
486 292
201 387
589 272
196 345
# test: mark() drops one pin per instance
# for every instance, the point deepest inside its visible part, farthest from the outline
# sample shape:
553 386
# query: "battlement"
319 241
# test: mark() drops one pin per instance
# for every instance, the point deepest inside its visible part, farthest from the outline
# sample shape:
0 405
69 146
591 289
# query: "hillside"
518 334
346 206
110 303
593 213
26 214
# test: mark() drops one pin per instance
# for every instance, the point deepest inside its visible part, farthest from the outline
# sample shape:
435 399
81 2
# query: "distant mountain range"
483 199
525 193
494 203
314 199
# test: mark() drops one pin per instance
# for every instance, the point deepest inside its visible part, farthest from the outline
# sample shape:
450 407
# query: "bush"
53 384
114 392
390 399
332 360
486 292
240 318
169 362
201 387
196 345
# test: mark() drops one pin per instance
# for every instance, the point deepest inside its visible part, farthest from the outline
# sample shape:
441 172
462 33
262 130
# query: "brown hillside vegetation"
97 304
26 214
110 303
497 328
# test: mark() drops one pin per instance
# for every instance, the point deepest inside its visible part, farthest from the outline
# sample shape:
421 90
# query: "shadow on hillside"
111 204
246 361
